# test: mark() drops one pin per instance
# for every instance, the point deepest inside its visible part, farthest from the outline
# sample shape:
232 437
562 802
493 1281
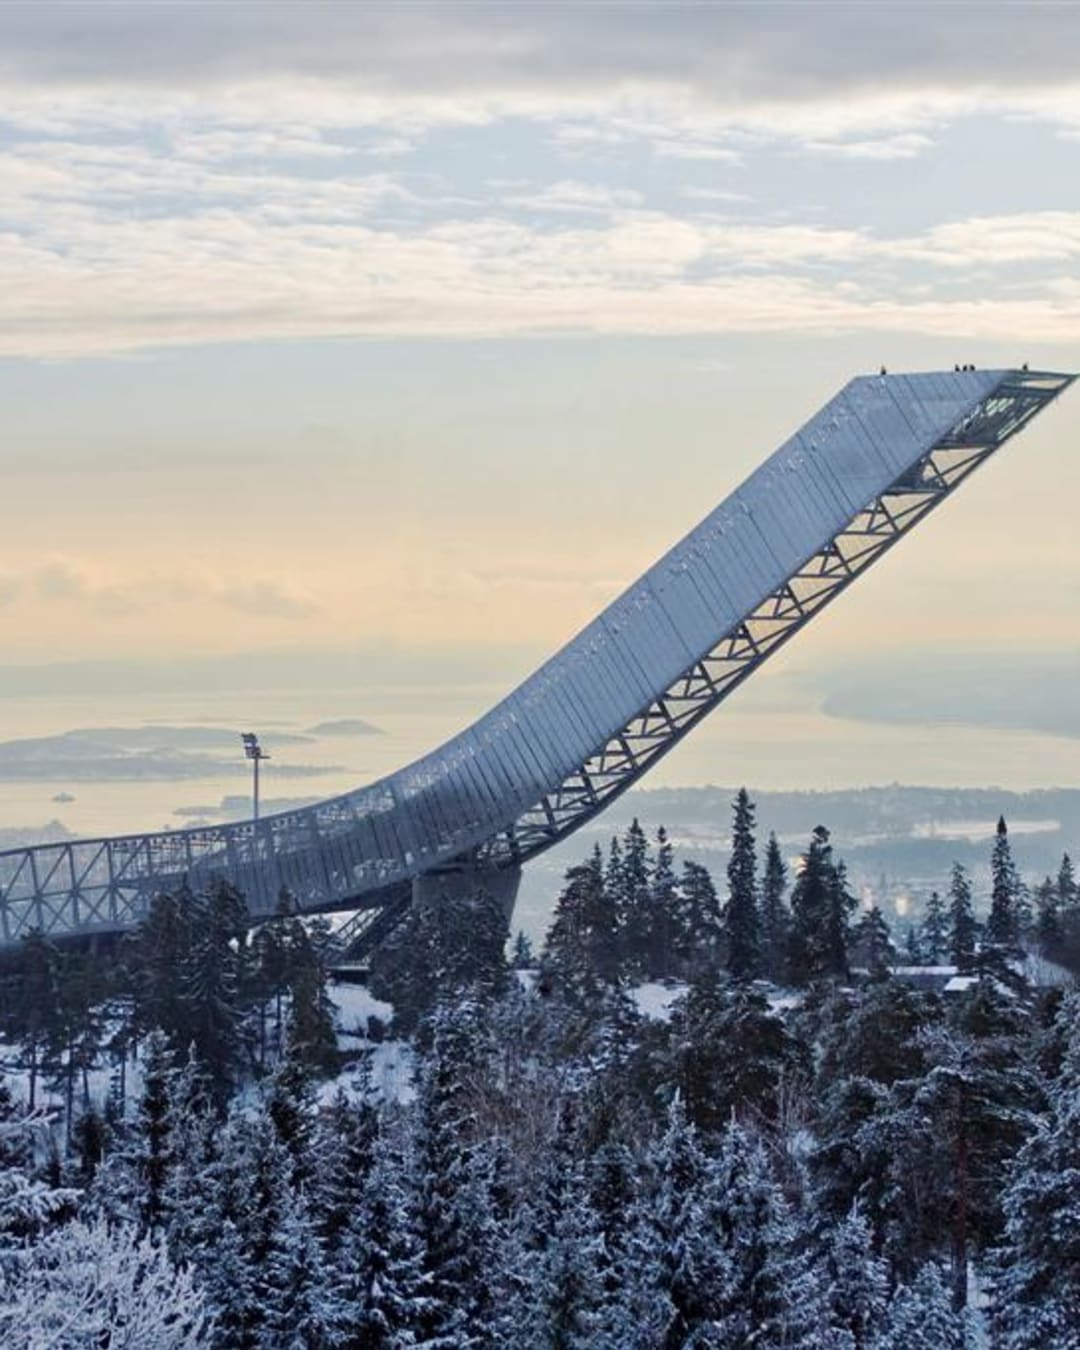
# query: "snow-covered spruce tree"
192 1198
1069 912
820 907
729 1053
522 958
300 1306
379 1263
742 920
1036 1266
290 1104
260 1264
96 1284
310 1028
914 952
581 954
1048 930
161 950
769 1291
455 1216
978 1099
210 991
858 1281
562 1303
673 1275
920 1316
663 910
612 1178
873 944
1003 923
149 1152
632 902
30 1018
775 915
450 944
699 927
268 971
934 930
343 1153
963 927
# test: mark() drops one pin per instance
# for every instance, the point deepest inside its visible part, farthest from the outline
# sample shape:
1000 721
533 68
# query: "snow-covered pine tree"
934 930
741 916
379 1272
775 915
581 952
873 942
963 928
768 1290
456 1222
920 1316
1003 923
343 1153
1048 930
150 1152
699 926
563 1302
99 1284
662 942
858 1281
1036 1266
632 901
210 991
978 1098
820 909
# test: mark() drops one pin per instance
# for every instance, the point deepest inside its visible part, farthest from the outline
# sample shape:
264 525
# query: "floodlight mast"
254 751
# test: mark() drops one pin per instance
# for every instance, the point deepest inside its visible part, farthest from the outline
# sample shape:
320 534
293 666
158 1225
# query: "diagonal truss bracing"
870 533
591 721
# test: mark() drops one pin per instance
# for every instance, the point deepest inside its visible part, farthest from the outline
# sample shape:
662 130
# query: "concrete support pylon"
501 883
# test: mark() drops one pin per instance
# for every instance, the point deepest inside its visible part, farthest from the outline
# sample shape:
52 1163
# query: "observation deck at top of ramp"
814 516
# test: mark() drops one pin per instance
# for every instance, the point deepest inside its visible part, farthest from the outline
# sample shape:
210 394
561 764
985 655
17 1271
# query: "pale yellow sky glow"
311 339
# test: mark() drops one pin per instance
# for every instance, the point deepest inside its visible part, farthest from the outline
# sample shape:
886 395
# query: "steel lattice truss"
861 474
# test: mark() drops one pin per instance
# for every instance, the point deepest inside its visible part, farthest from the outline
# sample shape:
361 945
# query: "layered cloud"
741 52
63 583
174 176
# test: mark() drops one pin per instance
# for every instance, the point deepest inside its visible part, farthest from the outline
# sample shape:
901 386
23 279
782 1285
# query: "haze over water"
772 736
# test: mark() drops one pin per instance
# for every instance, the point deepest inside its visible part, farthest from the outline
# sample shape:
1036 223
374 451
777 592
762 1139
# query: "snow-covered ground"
654 1000
391 1061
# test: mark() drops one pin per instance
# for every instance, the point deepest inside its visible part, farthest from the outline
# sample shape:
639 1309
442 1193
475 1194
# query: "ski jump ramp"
882 454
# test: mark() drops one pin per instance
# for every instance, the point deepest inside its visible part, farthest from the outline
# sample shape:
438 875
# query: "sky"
398 339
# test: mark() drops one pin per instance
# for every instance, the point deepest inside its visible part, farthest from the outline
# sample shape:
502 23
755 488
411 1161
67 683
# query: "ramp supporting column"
500 883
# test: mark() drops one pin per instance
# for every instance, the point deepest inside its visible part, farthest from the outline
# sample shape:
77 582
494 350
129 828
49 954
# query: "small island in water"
345 726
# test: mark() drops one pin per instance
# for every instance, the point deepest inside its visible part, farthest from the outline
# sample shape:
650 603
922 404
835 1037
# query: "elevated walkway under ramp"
881 455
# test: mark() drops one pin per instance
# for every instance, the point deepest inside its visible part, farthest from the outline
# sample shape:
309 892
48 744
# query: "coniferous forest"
710 1111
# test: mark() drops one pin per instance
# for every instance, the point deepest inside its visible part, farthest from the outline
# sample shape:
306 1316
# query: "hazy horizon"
330 363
